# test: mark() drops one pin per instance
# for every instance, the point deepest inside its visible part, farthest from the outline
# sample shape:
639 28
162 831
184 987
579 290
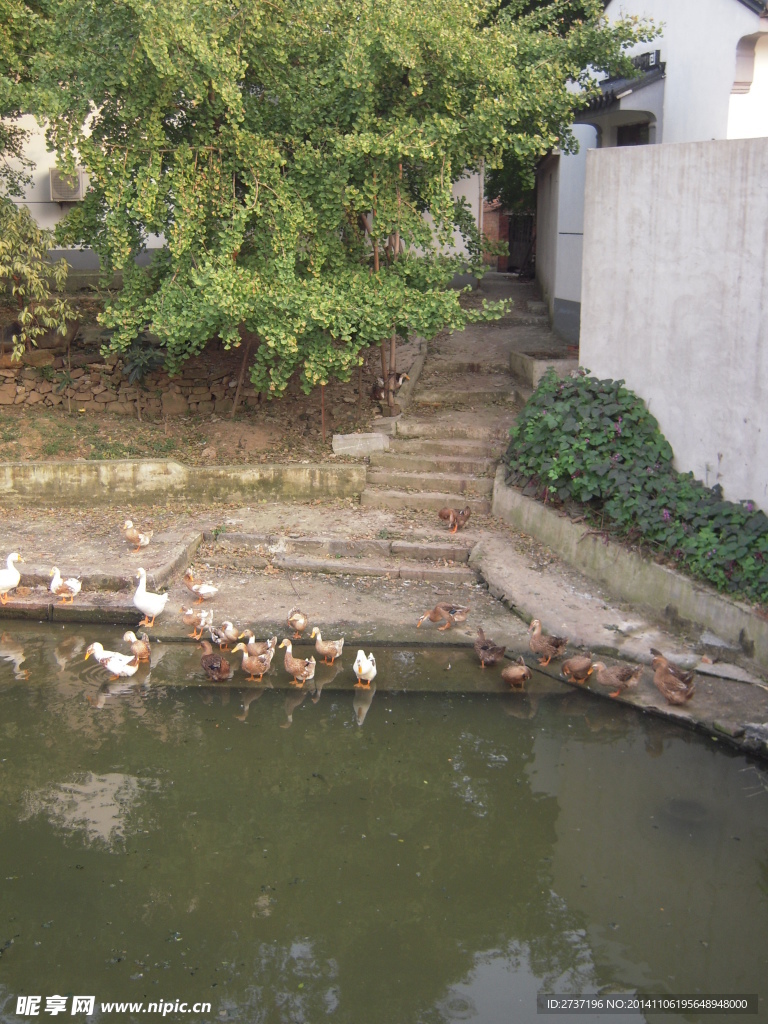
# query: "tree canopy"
298 156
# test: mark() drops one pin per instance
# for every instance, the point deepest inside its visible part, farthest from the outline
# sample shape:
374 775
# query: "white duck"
9 578
365 668
67 589
118 664
149 604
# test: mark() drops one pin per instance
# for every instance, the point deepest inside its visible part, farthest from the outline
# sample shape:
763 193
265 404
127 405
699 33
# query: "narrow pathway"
445 449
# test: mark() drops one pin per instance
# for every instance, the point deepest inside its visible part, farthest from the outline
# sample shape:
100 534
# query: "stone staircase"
429 473
467 390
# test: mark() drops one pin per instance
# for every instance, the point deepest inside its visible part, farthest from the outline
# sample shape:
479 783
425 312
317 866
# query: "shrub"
593 442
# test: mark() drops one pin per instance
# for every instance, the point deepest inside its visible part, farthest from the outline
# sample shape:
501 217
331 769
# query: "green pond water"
419 854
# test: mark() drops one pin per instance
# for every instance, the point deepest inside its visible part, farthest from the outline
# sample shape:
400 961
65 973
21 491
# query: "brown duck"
455 517
517 674
302 669
255 664
139 645
487 651
578 668
451 613
618 677
327 648
545 647
215 664
257 646
298 622
676 685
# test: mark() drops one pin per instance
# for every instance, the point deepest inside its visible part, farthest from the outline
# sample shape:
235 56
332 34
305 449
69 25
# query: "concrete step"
406 463
391 568
465 398
440 482
446 427
270 546
382 497
450 447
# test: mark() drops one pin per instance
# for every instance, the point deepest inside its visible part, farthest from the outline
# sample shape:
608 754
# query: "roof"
612 90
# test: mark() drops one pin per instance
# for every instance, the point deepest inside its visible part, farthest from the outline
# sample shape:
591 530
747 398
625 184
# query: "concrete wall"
675 298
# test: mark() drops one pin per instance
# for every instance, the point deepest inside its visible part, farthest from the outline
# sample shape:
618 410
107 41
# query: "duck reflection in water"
361 701
292 701
326 677
67 650
13 652
249 696
118 688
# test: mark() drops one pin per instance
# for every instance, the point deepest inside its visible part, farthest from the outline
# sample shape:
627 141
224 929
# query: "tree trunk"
247 338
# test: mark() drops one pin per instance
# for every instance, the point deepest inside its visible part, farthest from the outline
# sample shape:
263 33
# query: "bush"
593 442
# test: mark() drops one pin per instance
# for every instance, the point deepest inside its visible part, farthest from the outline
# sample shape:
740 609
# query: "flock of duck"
675 684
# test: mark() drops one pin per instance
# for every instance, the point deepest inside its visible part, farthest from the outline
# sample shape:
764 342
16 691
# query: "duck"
660 661
379 389
365 669
545 647
202 591
578 668
139 645
254 664
149 604
302 669
201 619
135 536
257 646
298 622
676 685
67 589
224 634
452 613
9 577
487 651
116 664
327 648
215 664
517 674
455 517
619 677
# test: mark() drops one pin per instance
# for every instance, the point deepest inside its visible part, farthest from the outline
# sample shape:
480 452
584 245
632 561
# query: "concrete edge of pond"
628 576
149 481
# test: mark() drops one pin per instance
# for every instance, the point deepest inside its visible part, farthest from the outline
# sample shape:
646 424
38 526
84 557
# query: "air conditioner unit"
67 188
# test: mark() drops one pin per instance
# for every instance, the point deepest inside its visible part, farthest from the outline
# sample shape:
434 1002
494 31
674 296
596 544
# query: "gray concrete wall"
151 481
675 298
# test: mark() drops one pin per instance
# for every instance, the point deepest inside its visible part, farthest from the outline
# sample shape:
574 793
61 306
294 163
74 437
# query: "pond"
421 853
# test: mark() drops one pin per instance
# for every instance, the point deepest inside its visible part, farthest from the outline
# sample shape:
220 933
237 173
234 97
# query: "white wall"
548 190
570 225
675 298
38 195
748 112
698 43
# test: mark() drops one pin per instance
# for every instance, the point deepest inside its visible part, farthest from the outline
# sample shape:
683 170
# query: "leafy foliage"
31 278
288 155
594 442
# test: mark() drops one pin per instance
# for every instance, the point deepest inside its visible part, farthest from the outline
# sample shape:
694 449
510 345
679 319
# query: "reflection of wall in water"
675 838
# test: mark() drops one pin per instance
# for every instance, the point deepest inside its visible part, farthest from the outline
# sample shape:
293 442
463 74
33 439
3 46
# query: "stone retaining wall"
205 384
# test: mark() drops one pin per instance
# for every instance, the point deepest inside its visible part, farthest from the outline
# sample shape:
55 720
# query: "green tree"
25 269
288 152
589 45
